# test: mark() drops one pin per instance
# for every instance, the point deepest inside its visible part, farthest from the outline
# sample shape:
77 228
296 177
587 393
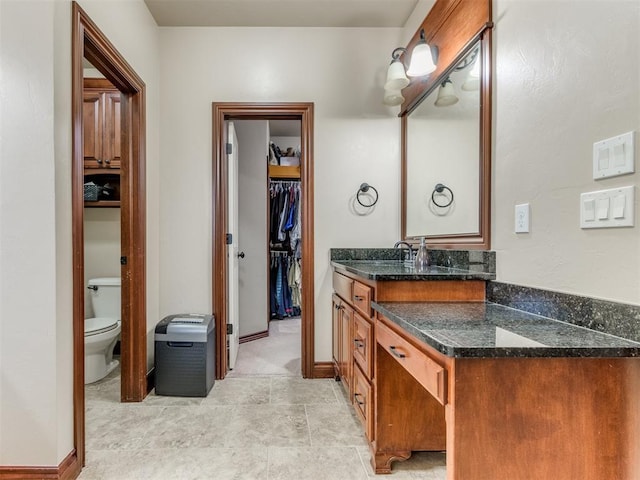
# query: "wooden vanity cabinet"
358 353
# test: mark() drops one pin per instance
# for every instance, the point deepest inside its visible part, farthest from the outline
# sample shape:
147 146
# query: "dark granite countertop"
396 270
475 330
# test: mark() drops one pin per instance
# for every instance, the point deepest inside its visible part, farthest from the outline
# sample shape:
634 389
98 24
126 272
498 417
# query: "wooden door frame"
88 41
223 111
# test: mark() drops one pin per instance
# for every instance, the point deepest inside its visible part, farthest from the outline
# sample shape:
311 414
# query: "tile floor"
250 426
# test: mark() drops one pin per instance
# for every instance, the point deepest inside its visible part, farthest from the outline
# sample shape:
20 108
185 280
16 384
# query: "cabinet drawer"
428 373
363 344
362 298
343 286
363 401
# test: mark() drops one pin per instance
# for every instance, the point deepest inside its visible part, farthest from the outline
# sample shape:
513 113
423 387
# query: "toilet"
102 332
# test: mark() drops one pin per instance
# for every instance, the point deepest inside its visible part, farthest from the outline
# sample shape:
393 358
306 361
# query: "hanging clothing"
286 248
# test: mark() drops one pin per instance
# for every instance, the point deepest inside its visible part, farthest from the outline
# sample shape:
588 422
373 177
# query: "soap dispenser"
422 257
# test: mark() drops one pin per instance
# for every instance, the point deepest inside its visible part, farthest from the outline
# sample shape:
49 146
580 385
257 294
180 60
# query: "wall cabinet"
102 144
101 115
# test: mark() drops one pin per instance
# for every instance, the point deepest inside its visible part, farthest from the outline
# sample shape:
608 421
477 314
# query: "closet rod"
285 181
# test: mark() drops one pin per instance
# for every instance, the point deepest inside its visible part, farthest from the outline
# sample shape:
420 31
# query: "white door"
233 339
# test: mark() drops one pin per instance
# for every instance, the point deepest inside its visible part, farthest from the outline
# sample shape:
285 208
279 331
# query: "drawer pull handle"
355 397
359 298
395 352
359 343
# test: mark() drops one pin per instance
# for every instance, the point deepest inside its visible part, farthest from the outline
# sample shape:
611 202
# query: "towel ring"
364 188
439 188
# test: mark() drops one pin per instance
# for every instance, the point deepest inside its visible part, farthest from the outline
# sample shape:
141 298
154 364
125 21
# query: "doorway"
90 43
264 220
222 113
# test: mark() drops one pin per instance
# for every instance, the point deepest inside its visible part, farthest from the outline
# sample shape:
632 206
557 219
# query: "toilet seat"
97 325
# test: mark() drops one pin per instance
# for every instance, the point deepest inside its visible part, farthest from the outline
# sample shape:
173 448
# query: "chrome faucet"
408 261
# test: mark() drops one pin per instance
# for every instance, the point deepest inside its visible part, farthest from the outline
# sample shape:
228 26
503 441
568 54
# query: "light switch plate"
522 218
614 156
608 208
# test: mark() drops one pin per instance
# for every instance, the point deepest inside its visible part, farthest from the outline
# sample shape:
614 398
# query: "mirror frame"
454 41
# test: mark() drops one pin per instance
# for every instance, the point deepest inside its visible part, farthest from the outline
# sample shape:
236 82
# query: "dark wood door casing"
90 43
223 111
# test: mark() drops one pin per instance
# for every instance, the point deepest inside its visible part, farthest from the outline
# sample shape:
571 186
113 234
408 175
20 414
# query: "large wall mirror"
446 155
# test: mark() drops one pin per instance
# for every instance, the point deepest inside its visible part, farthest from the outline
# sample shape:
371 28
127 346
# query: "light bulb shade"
393 97
446 95
472 81
421 61
396 78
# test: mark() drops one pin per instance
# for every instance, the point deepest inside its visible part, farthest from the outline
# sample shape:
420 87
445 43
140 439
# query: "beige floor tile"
299 391
192 464
341 393
334 425
240 391
167 401
315 463
257 426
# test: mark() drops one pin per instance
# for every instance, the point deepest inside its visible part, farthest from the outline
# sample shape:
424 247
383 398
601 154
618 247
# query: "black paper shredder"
185 355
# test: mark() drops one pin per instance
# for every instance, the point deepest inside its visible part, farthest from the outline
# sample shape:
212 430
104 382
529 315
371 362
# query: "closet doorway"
225 252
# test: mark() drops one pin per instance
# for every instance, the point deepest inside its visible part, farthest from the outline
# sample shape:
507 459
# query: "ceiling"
281 13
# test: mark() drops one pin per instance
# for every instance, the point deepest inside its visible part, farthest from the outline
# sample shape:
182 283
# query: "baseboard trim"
68 469
323 370
254 336
151 379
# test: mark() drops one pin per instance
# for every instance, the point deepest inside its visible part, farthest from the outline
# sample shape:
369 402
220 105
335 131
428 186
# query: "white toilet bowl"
100 336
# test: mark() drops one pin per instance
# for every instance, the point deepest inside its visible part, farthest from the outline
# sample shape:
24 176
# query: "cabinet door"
92 116
336 344
346 350
112 136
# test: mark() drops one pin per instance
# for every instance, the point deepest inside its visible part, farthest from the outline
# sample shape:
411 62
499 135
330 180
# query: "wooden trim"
68 469
254 336
223 111
324 370
455 26
89 42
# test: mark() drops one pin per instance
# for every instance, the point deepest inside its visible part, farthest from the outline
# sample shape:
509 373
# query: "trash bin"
185 355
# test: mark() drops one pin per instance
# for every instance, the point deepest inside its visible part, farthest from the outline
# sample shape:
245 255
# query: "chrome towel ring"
364 188
440 188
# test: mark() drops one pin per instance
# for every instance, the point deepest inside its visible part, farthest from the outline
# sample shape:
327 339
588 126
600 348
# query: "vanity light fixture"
423 62
472 82
423 58
446 94
396 78
393 98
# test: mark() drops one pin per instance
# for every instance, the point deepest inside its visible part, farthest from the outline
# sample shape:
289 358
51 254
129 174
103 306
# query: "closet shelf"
284 171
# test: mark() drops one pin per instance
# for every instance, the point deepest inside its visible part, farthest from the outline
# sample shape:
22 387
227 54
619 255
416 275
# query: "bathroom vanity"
429 365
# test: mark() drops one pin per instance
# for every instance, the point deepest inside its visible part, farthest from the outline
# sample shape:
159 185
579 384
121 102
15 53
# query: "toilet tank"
105 297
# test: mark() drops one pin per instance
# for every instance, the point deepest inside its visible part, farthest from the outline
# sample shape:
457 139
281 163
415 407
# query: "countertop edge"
508 352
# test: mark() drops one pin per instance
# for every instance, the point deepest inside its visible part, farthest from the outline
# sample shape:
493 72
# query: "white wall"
29 375
567 75
36 398
101 247
253 240
356 140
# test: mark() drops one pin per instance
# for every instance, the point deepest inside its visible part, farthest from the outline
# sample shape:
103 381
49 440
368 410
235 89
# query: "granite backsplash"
620 319
473 260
